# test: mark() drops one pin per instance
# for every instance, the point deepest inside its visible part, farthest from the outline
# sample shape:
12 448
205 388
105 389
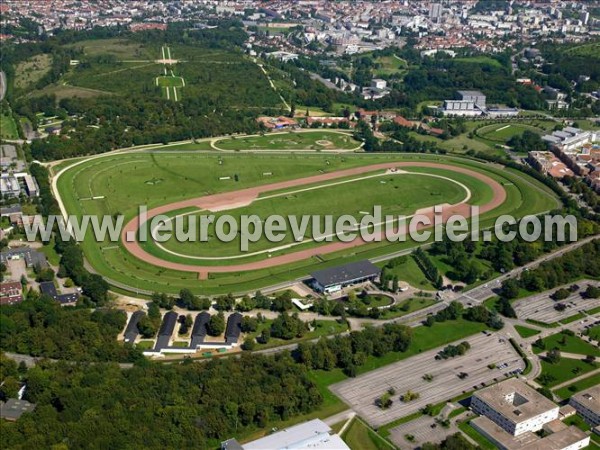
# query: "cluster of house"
473 104
572 152
514 416
11 291
283 122
199 332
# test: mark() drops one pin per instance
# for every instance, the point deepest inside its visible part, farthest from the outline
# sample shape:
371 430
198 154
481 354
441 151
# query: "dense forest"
153 405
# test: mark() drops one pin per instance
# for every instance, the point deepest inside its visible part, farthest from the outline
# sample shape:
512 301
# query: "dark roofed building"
335 278
48 288
166 330
199 330
131 332
32 257
234 328
13 409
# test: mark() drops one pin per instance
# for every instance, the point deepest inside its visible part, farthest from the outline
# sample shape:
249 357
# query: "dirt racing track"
244 197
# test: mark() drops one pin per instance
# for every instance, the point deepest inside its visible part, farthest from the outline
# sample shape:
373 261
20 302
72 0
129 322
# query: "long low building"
166 330
314 434
334 279
131 331
199 329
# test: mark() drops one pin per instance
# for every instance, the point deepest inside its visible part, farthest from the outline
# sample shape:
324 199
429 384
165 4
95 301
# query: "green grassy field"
359 436
153 179
411 273
578 386
525 332
481 440
32 70
311 140
564 370
8 127
594 333
572 344
352 197
503 132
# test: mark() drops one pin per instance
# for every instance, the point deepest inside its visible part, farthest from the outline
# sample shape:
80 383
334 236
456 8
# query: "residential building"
548 163
587 404
570 138
11 292
335 279
32 257
314 434
48 288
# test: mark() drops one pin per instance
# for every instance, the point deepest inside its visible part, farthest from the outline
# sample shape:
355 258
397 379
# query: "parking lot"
361 392
540 307
424 429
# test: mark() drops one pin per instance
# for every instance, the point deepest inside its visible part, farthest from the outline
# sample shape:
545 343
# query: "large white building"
587 404
512 413
570 138
514 406
314 434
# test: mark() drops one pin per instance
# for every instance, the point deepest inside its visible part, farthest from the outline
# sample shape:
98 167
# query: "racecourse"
116 183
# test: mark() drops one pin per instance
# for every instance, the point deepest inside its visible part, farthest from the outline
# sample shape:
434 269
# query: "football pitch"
281 183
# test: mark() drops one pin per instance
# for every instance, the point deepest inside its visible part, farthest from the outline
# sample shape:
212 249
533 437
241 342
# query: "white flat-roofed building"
587 404
314 434
514 406
571 138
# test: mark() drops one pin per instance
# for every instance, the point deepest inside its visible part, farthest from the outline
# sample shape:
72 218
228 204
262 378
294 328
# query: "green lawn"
569 344
503 132
8 127
481 440
310 140
145 345
410 272
577 421
359 436
564 370
594 332
323 328
407 306
578 386
525 332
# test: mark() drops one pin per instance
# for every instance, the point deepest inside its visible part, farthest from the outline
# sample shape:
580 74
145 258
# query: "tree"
592 292
249 324
216 325
509 289
553 356
249 344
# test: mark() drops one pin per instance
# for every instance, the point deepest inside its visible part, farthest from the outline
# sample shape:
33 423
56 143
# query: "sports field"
113 184
310 140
